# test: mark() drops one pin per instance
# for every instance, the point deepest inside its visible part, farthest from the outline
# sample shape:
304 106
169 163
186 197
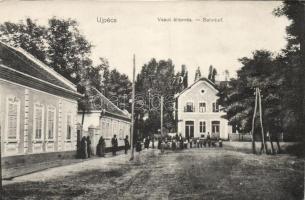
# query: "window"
13 116
38 121
51 123
202 91
202 107
202 127
69 127
215 107
189 107
215 127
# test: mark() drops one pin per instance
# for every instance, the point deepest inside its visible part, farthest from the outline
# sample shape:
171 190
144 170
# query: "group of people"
85 148
178 142
114 143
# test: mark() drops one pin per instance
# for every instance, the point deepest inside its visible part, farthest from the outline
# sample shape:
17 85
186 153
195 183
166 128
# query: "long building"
105 120
38 107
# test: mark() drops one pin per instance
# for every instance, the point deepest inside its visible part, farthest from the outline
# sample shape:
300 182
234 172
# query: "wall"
105 126
209 97
90 119
28 97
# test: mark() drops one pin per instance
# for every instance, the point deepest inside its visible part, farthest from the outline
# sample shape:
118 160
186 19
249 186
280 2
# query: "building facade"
105 120
198 112
38 107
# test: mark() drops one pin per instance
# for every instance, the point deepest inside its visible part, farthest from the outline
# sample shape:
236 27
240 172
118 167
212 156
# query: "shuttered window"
38 121
13 118
51 122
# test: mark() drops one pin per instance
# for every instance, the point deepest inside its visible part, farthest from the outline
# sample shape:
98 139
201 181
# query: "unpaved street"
188 174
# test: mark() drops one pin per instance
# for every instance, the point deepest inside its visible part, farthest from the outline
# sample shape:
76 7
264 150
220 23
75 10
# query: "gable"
196 88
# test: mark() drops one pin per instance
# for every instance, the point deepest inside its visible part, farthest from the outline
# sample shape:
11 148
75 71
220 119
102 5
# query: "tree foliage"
280 79
212 73
197 74
156 79
61 46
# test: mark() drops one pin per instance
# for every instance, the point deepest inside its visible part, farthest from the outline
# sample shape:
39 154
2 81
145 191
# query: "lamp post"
132 108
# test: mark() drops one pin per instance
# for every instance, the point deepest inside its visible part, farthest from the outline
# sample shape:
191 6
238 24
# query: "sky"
242 27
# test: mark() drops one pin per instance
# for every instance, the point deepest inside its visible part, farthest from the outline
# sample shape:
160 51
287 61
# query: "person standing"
83 144
126 142
100 150
181 141
209 139
89 146
220 142
114 142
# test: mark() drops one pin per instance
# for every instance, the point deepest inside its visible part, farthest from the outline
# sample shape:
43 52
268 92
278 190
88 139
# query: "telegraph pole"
161 116
161 130
1 189
253 121
132 107
261 121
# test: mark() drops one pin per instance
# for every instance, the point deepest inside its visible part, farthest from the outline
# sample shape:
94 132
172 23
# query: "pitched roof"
108 108
19 60
201 79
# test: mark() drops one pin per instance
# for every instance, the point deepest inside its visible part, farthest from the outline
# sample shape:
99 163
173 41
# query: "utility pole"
162 116
261 121
258 102
1 189
132 107
162 144
253 121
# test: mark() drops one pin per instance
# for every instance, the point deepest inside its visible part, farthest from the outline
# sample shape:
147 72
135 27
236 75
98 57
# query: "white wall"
208 97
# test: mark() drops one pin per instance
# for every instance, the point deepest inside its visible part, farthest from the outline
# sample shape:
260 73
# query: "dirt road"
188 174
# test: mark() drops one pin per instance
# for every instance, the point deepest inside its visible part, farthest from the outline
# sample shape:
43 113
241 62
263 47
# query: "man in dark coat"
89 147
114 142
126 141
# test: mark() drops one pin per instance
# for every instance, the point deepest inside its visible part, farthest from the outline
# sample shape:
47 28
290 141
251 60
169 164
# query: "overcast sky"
245 27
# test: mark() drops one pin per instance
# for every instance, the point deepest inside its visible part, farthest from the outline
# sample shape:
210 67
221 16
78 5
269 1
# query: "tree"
119 89
181 80
212 73
184 74
227 75
27 35
293 59
68 50
156 79
197 74
261 71
59 45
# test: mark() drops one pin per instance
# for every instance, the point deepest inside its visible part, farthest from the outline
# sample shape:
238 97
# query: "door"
189 129
215 129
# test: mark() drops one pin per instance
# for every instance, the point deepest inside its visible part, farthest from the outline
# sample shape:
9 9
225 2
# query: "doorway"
189 129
